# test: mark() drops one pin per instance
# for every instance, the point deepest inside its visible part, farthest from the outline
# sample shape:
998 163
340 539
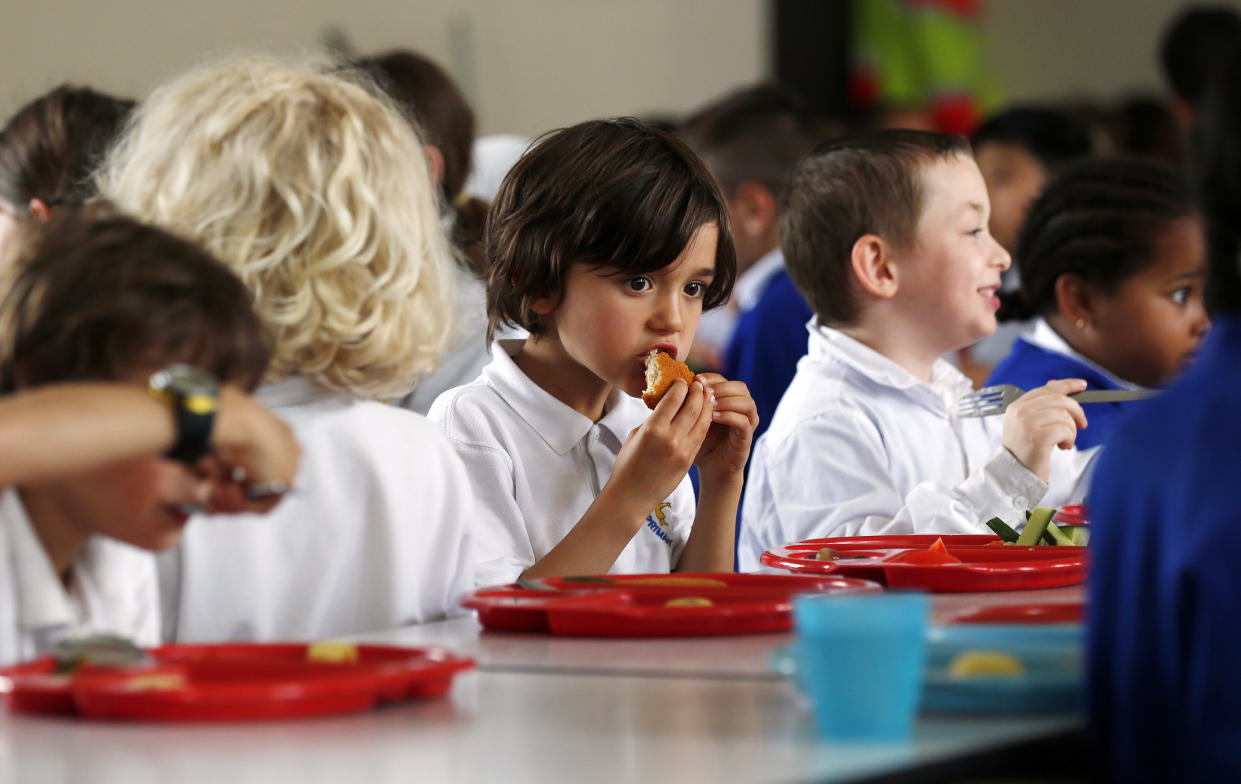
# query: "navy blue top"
766 344
1164 633
1029 366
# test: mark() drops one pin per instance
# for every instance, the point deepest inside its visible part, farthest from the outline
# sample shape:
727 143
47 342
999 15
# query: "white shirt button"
1021 502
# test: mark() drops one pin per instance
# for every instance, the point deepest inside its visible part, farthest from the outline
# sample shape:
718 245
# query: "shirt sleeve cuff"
1004 487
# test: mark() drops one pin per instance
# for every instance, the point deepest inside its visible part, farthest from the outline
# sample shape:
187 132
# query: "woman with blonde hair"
314 189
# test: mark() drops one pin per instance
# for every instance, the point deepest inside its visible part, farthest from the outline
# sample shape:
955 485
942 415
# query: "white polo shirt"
111 590
373 536
537 465
859 447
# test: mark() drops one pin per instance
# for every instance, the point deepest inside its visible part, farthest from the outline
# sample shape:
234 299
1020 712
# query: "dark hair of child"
95 299
1213 160
1098 220
1194 45
613 194
50 147
427 94
1054 137
864 183
756 134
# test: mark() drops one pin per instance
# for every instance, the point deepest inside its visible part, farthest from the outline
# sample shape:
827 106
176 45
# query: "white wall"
527 65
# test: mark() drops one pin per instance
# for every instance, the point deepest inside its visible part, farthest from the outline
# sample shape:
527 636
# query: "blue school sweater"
766 344
1029 366
1164 633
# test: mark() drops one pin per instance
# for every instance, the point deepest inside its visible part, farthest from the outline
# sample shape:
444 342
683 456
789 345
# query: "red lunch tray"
232 682
636 605
1052 613
985 566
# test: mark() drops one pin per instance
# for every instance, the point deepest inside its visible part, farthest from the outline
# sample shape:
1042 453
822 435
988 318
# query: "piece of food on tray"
684 582
1003 530
1036 524
156 681
689 601
99 649
332 652
985 664
661 371
932 556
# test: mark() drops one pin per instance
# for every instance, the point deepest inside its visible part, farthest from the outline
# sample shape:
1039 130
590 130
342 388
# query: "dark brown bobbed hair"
50 147
864 183
614 194
429 96
98 297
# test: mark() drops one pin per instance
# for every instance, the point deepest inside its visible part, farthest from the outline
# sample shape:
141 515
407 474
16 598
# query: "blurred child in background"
750 140
867 441
1018 151
94 468
48 151
315 191
607 241
436 106
1113 264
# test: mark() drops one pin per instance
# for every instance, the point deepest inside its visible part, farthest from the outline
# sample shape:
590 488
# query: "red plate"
984 567
628 606
1071 515
1052 613
231 682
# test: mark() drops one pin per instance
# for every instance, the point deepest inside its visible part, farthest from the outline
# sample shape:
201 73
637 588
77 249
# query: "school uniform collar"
43 600
1044 337
750 286
559 425
947 384
295 391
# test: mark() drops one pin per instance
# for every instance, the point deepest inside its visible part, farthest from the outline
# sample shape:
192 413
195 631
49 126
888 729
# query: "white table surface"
539 709
511 727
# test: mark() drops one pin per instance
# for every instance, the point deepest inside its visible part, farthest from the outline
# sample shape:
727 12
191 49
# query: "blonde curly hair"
314 189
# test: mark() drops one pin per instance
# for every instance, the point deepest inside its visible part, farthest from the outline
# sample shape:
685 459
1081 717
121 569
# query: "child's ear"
1075 299
754 209
543 306
873 267
39 209
435 163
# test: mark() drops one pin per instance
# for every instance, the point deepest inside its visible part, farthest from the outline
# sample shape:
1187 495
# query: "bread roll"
661 371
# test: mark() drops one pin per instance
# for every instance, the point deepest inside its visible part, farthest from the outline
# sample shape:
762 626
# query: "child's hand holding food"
657 455
726 448
1041 420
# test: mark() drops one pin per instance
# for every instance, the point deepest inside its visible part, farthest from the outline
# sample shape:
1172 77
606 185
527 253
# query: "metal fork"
996 399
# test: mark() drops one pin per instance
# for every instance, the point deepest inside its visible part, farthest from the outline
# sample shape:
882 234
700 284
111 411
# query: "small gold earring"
1080 323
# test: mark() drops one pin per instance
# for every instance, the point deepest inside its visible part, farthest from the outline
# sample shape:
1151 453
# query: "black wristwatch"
194 395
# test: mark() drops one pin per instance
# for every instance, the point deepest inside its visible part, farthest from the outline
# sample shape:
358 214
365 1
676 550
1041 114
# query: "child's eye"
696 288
1180 296
975 232
638 284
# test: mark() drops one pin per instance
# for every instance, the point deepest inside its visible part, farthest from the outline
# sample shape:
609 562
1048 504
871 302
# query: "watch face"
185 380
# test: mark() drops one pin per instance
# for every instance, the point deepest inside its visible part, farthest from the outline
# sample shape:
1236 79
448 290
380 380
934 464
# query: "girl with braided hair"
1112 259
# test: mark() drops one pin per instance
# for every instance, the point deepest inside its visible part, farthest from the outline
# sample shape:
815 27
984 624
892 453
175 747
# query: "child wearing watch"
89 310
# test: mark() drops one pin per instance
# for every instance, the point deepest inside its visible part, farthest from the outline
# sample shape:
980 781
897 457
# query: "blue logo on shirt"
656 522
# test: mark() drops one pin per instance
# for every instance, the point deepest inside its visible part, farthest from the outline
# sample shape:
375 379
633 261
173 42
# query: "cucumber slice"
1002 529
1078 534
1057 535
1035 526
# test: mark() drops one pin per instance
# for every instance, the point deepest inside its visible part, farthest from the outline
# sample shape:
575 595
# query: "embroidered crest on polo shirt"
657 522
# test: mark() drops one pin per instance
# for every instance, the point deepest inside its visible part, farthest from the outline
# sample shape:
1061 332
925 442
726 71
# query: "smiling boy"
885 233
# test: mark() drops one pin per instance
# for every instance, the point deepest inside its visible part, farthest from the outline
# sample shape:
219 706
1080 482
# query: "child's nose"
668 316
1001 256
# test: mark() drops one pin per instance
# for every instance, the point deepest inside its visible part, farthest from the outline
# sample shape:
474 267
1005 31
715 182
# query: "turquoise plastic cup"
861 659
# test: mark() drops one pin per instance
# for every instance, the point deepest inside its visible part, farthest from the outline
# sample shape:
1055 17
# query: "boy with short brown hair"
885 233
